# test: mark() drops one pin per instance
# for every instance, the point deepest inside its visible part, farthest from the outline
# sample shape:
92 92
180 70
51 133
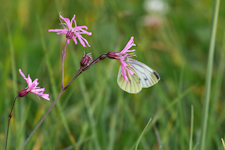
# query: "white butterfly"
143 77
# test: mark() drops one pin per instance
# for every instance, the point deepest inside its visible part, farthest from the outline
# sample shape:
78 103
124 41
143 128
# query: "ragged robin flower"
32 88
72 32
122 56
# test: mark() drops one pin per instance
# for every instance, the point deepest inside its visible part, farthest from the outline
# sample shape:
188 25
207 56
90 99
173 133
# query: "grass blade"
142 133
192 125
159 141
223 143
209 76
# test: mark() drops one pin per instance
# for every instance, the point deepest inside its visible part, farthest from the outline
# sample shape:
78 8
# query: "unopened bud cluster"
86 60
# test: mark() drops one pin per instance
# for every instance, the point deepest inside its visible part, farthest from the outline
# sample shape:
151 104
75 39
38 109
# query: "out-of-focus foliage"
173 39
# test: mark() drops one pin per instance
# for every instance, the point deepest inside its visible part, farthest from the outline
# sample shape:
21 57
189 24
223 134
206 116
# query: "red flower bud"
86 60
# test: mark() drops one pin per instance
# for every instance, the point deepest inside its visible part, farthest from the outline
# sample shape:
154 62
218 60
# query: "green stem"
53 85
192 126
10 116
142 133
209 76
63 58
40 122
88 103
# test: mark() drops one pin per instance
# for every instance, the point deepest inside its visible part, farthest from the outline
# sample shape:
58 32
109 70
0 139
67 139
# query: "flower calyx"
86 60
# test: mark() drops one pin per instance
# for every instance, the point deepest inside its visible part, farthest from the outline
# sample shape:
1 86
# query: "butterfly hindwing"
133 86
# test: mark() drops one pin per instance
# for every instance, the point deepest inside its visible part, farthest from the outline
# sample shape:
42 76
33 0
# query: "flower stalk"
10 116
81 69
63 58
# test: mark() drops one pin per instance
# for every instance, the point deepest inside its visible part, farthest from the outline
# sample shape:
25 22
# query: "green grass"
205 111
94 113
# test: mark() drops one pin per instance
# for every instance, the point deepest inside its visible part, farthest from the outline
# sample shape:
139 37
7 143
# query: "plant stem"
209 76
63 58
10 116
142 133
223 143
192 126
81 69
42 119
101 57
77 74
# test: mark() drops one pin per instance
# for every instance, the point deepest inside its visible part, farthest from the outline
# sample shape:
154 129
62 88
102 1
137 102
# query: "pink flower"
122 56
32 87
72 32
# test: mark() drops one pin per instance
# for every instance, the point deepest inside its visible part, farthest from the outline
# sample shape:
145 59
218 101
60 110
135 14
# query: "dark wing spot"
145 79
156 74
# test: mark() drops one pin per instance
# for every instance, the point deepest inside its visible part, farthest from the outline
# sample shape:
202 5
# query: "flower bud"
23 93
86 60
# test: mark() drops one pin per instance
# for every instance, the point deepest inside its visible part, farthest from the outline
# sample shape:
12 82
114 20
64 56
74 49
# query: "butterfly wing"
133 86
147 76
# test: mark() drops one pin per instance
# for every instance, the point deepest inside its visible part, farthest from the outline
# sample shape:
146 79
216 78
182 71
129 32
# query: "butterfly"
143 77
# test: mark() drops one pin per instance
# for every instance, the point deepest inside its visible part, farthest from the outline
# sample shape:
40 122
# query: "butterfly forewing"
147 76
133 86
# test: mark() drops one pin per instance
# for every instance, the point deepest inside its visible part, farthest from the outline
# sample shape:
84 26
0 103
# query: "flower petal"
34 84
67 20
29 81
74 39
82 42
58 30
73 20
124 74
45 96
32 87
83 31
22 74
124 65
128 46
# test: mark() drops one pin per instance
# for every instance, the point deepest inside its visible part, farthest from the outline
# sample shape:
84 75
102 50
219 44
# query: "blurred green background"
94 113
